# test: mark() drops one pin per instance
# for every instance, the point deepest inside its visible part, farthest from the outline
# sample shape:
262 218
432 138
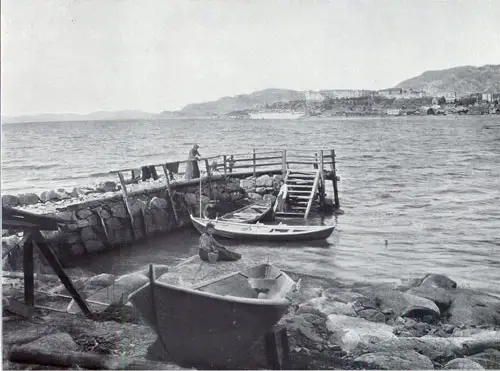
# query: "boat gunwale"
310 229
257 217
233 299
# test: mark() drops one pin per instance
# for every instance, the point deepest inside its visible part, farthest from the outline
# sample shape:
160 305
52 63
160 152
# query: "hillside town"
386 102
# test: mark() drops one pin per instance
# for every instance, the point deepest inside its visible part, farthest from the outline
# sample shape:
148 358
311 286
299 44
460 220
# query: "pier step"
289 214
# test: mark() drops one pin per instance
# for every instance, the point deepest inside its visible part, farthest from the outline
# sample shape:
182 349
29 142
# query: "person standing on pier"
192 170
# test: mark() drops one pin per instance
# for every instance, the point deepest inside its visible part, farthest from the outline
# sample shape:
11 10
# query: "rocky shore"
428 323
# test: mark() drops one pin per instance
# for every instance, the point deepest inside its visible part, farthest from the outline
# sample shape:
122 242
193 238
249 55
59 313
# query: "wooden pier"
304 173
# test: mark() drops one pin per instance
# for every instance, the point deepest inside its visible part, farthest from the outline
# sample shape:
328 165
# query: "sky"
81 56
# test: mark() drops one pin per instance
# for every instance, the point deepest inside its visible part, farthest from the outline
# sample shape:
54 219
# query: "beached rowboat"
264 232
216 323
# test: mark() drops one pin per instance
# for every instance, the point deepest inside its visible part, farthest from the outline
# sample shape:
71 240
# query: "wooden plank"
225 164
169 190
334 181
283 163
56 265
29 273
277 349
127 205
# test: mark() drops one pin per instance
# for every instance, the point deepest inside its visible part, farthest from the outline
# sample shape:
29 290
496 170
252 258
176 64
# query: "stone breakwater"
428 323
98 219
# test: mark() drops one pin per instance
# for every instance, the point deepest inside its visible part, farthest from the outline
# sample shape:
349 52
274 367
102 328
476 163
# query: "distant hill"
94 116
242 102
463 80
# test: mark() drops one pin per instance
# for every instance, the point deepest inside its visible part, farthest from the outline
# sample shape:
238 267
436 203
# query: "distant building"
314 96
399 93
449 96
393 111
487 97
346 93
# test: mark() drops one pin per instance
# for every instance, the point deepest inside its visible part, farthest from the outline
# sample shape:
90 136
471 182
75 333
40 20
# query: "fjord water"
430 186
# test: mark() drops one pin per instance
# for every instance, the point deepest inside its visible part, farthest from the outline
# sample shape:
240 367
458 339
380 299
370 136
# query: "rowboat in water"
215 324
264 232
253 213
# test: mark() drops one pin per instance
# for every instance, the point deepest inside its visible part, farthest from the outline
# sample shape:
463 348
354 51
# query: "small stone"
260 190
65 215
104 214
101 280
254 196
372 315
10 200
158 203
118 211
88 233
83 214
28 199
462 364
107 186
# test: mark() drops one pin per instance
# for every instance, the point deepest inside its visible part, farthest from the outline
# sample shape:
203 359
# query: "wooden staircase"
303 190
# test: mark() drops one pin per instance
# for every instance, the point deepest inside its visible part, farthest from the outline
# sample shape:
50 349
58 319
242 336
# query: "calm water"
428 185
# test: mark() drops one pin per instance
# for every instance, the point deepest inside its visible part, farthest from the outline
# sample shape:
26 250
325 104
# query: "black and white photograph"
250 184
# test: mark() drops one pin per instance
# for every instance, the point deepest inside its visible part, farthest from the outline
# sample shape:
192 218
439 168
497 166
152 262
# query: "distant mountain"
94 116
462 80
242 102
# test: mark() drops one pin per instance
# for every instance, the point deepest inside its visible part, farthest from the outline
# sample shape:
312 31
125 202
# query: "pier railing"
251 163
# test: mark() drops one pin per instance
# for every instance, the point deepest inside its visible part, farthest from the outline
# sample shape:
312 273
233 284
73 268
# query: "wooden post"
231 164
29 274
277 349
176 218
58 269
254 171
334 180
322 175
225 165
127 205
209 180
283 162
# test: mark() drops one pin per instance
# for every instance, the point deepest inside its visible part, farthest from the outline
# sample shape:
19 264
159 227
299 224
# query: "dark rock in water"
409 360
10 200
441 297
403 304
60 341
28 199
474 308
372 315
462 364
107 186
438 281
489 359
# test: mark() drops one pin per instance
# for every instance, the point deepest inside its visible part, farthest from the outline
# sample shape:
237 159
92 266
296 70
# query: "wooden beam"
169 190
56 265
225 164
334 180
283 163
127 205
209 179
277 349
254 174
29 273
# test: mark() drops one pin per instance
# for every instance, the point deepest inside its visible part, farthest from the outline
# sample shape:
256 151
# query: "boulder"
441 297
372 315
489 359
254 196
158 203
247 184
409 360
354 333
328 306
264 181
438 281
118 211
28 199
470 307
439 349
106 186
462 364
10 200
260 190
100 280
403 304
60 341
122 287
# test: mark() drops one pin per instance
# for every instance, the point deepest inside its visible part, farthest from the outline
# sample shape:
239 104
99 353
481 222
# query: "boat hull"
305 235
204 330
250 214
